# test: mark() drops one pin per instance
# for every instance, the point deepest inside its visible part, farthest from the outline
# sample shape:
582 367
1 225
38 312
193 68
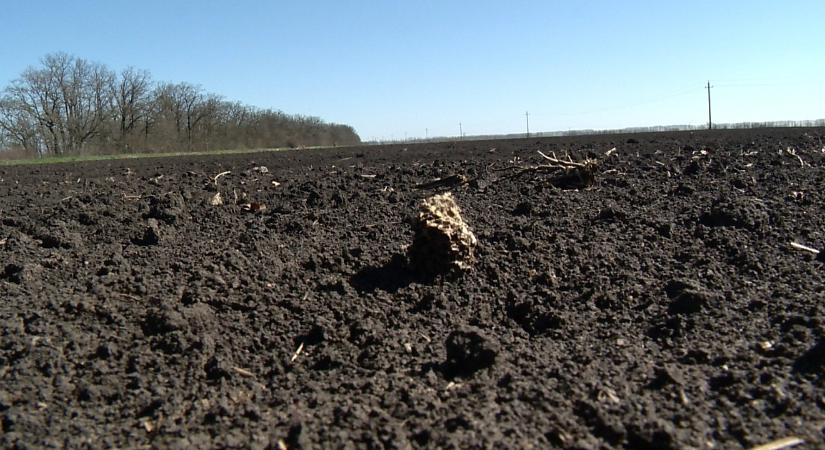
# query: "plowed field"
661 307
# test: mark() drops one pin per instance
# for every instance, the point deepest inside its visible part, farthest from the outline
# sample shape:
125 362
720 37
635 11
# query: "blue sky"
393 69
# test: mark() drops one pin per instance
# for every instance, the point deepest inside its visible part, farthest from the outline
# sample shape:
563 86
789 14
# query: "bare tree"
17 127
192 99
187 107
34 98
66 101
130 92
85 98
167 117
69 105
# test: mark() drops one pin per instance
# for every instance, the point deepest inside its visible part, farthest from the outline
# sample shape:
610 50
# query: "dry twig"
243 372
799 246
792 152
297 352
780 444
215 179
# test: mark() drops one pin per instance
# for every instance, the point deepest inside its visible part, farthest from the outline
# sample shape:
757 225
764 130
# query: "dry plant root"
566 174
575 175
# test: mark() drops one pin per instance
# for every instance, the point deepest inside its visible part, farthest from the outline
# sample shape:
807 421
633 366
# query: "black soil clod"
813 360
740 212
169 208
468 351
688 297
151 234
163 320
523 209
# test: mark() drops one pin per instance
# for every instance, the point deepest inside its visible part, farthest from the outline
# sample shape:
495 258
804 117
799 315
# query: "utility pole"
460 131
710 121
527 118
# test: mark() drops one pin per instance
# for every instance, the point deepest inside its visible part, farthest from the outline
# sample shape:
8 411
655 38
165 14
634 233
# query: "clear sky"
396 68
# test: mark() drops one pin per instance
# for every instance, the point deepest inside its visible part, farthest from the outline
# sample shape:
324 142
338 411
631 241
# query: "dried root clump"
571 174
564 173
443 242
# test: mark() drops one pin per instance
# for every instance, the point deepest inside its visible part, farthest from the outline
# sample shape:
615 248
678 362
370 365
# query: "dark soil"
661 307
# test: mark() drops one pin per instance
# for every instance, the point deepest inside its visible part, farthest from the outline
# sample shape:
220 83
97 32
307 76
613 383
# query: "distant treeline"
631 130
716 126
69 105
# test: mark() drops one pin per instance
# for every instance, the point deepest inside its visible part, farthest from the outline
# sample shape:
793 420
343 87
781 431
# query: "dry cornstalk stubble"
566 173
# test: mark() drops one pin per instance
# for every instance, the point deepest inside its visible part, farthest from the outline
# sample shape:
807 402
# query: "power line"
758 82
624 106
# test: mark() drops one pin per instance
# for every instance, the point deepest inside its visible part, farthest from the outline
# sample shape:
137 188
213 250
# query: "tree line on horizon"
68 105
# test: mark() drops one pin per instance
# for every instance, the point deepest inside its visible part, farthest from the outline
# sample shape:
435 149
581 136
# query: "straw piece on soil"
243 372
780 444
215 179
297 352
804 247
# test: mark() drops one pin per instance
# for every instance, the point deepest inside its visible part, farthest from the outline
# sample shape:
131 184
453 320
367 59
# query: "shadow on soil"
390 277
